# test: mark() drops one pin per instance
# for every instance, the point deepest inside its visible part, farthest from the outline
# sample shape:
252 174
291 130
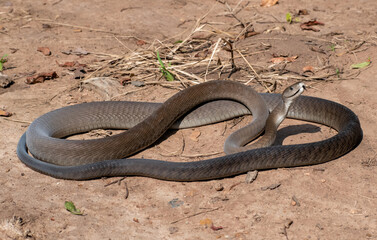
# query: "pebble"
219 187
173 230
251 176
5 81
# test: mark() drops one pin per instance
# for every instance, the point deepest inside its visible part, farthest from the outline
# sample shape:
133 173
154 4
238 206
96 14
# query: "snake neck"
274 120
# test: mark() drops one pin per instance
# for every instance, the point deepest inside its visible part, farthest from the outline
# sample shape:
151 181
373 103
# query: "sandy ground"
336 200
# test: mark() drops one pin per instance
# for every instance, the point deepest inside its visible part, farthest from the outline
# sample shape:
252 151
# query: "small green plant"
332 46
361 65
166 73
70 207
337 72
2 61
288 17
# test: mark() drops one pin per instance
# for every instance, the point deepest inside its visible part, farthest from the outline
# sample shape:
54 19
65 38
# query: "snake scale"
198 105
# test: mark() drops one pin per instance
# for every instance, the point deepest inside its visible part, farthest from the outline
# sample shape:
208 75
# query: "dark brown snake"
217 101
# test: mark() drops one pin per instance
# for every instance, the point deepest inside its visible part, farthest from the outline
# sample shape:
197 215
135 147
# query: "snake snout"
293 91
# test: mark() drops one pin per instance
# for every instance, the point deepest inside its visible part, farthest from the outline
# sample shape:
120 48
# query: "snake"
198 105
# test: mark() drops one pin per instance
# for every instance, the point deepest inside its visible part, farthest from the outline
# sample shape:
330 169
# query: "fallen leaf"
70 207
5 114
125 80
308 69
45 50
41 77
309 25
360 65
135 220
140 42
195 135
216 228
268 3
66 64
278 60
206 222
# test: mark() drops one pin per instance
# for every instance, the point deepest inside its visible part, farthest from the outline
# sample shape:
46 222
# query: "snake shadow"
281 135
294 130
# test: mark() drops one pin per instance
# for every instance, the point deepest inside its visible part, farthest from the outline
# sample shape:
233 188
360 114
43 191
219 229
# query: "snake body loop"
90 159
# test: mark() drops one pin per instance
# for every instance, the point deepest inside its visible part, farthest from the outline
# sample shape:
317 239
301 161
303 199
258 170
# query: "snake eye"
291 88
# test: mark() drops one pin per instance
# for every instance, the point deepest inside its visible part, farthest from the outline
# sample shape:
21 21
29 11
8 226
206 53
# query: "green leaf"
168 75
71 208
160 61
361 65
3 60
288 17
179 41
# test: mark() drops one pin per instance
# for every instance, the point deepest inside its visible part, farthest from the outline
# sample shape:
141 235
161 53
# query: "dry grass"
206 53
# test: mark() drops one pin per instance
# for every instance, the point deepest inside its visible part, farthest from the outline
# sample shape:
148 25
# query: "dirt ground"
336 200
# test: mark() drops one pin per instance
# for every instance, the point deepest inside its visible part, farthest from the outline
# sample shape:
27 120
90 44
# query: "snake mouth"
298 92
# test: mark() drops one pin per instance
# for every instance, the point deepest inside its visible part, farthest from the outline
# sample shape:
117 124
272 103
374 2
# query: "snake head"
294 91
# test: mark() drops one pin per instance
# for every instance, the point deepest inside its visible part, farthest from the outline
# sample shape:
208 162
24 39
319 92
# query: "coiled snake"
79 159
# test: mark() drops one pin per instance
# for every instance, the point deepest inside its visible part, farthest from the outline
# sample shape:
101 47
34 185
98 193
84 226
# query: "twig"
196 28
213 53
190 155
126 93
15 120
116 181
195 214
234 68
251 67
190 75
74 26
127 191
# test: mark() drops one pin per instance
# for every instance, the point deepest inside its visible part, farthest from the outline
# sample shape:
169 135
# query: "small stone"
251 176
5 81
295 202
175 203
138 83
288 223
219 187
173 230
271 187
